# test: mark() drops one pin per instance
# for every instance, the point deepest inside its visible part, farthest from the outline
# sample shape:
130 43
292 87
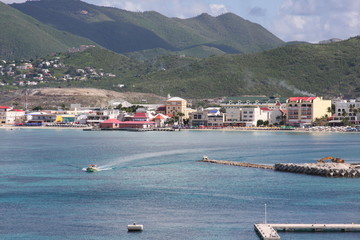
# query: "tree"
119 106
259 123
37 108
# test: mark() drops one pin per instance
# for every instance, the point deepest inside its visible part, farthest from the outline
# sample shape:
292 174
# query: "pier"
241 164
269 231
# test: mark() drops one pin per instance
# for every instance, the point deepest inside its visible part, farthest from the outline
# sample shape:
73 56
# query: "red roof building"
141 116
137 124
110 123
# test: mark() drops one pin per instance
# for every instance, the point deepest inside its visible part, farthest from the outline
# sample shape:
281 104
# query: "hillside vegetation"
327 70
24 37
124 32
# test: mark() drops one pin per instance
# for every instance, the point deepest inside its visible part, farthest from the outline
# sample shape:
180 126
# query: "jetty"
321 169
324 169
269 231
241 164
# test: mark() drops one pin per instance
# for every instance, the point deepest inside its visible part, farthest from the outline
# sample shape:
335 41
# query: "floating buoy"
135 227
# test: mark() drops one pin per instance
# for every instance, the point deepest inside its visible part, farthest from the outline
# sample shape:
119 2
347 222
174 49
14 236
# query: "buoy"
135 227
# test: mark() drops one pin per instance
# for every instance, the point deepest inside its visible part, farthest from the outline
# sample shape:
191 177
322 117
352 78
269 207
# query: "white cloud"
316 20
218 9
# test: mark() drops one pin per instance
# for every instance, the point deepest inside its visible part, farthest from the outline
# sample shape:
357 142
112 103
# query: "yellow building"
303 111
176 105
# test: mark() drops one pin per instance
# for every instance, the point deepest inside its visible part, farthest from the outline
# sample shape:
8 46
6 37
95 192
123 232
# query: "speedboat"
92 168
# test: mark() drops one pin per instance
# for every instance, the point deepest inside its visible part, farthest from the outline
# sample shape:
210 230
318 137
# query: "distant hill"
327 70
24 37
124 32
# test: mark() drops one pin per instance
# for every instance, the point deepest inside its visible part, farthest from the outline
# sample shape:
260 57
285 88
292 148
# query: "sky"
290 20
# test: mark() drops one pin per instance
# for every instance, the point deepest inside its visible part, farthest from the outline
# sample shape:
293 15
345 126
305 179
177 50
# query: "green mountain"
123 31
24 37
327 70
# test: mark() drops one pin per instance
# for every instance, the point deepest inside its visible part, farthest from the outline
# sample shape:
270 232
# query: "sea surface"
155 179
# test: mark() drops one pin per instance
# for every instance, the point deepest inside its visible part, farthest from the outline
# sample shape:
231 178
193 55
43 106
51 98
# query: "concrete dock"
241 164
266 232
269 231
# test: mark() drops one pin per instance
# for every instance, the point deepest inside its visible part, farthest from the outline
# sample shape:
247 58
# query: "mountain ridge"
124 31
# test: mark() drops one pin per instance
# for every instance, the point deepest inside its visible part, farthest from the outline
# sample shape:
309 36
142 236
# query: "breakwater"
241 164
321 169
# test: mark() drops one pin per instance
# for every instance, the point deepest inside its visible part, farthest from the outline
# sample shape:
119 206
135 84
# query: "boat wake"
121 161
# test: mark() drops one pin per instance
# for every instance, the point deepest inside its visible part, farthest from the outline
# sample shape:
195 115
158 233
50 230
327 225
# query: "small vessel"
92 168
135 227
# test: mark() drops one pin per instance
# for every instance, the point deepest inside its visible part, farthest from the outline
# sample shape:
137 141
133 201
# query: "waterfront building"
9 115
245 111
3 111
346 111
110 123
255 101
302 111
245 116
41 117
211 117
137 124
96 116
160 120
65 118
176 105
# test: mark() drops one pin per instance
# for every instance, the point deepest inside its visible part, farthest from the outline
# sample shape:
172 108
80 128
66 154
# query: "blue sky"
290 20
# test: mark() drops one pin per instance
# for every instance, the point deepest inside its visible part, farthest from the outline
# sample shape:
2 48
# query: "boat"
135 227
92 168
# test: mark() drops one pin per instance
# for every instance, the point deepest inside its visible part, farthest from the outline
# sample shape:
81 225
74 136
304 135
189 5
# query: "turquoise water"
154 179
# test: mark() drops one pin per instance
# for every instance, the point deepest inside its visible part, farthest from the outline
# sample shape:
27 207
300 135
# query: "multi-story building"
247 110
255 101
96 116
176 105
9 115
302 111
346 110
245 116
207 117
3 110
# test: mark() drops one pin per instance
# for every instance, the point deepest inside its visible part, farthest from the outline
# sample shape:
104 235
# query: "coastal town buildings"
96 116
160 120
302 111
248 110
175 106
347 111
9 115
210 117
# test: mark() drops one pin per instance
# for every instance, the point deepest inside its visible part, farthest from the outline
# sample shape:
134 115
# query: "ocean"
156 179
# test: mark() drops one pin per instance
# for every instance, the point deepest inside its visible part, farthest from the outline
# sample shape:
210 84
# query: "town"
47 70
246 112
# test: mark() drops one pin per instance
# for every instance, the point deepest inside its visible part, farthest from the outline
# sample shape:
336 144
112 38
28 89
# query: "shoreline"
39 127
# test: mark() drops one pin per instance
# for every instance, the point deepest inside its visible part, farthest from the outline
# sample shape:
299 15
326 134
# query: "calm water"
154 178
